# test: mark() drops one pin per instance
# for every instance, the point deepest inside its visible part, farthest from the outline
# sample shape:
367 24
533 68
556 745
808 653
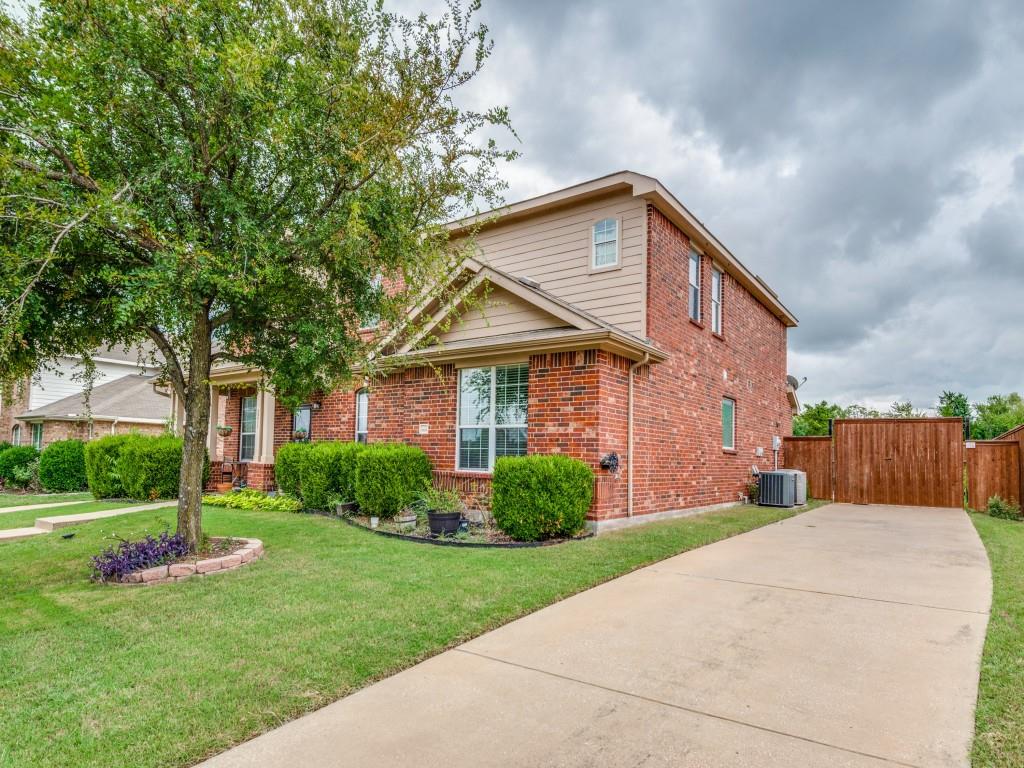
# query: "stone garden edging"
249 550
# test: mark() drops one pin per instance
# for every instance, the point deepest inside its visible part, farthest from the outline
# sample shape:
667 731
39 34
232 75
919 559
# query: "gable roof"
652 190
129 398
572 327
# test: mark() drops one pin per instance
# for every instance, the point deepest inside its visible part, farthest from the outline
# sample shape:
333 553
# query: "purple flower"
114 563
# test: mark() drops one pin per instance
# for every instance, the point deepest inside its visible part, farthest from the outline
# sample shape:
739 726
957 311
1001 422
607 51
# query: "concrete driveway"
846 636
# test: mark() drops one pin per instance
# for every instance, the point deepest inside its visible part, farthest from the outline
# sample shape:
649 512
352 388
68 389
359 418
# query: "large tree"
998 414
227 180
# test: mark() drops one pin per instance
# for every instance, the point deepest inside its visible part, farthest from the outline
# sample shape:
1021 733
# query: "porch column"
211 443
266 427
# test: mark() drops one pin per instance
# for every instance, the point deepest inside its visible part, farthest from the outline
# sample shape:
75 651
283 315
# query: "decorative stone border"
249 550
445 542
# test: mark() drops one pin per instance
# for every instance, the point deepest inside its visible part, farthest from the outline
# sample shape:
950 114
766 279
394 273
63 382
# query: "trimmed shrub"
14 459
1003 509
327 471
101 473
62 466
149 467
26 476
388 477
288 467
540 497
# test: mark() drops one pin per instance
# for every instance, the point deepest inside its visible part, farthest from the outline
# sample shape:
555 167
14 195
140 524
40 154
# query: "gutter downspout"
629 434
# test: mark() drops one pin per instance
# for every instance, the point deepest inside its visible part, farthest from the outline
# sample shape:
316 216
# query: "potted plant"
443 508
224 430
299 435
406 518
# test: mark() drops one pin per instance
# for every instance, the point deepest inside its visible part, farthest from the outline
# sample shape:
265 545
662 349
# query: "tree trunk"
196 430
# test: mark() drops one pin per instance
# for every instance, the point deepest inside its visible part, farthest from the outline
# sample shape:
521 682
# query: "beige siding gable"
554 249
497 313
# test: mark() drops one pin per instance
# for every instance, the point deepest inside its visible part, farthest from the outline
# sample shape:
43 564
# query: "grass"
98 675
999 719
20 499
27 517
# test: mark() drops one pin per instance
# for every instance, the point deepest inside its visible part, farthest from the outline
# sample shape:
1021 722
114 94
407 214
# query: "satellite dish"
791 380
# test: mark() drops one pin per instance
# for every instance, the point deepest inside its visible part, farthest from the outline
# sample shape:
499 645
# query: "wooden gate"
993 469
914 462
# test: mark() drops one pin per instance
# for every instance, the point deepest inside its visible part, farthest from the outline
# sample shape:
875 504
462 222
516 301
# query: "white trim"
363 392
716 299
241 427
690 286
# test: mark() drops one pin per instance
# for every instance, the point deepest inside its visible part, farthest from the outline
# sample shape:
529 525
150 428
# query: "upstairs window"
606 244
728 424
492 415
716 300
362 416
372 320
695 286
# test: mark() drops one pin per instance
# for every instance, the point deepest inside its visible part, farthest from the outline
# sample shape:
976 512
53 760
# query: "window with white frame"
247 431
491 415
16 435
606 244
302 422
362 415
372 320
728 424
37 436
694 285
716 300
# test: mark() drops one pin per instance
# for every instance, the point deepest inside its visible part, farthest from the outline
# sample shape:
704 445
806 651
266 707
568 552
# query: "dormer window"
605 254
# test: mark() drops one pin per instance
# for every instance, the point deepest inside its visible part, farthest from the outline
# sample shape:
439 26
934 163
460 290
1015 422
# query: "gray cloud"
865 158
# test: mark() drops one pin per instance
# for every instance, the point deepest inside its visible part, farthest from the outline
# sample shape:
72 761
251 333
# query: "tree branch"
173 366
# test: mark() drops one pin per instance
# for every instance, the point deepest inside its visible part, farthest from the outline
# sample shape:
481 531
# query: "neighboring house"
51 405
614 328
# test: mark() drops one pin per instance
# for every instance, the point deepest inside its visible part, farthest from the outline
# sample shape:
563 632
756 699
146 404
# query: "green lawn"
20 499
27 517
107 676
999 722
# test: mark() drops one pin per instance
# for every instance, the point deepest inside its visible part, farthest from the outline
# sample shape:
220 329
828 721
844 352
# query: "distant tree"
862 412
903 410
228 180
954 404
998 414
814 418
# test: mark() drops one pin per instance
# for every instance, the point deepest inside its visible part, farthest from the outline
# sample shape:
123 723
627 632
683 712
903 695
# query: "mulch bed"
485 535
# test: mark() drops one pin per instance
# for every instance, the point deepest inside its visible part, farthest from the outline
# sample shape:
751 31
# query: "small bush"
113 564
1003 509
388 477
540 497
62 466
252 499
101 457
26 476
288 467
149 467
431 499
13 459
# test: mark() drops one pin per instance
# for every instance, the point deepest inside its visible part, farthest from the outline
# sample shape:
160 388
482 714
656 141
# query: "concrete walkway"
48 524
846 636
47 505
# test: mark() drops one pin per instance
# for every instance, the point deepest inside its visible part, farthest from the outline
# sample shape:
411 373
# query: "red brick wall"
679 459
18 403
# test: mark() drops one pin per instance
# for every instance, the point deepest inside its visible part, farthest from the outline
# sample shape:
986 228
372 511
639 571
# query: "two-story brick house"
607 323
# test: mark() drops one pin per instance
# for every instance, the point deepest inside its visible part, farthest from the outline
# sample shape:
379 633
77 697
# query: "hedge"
150 467
288 467
101 472
327 473
541 497
62 466
388 477
13 458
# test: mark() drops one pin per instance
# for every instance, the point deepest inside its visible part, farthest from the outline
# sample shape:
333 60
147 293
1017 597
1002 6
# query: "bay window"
491 415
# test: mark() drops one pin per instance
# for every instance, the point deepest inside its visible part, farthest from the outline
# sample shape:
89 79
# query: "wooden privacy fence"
915 462
993 469
814 456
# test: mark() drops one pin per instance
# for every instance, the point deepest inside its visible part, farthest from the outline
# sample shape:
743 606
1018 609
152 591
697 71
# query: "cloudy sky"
866 158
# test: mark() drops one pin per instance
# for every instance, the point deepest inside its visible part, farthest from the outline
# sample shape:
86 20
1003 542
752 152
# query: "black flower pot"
444 523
